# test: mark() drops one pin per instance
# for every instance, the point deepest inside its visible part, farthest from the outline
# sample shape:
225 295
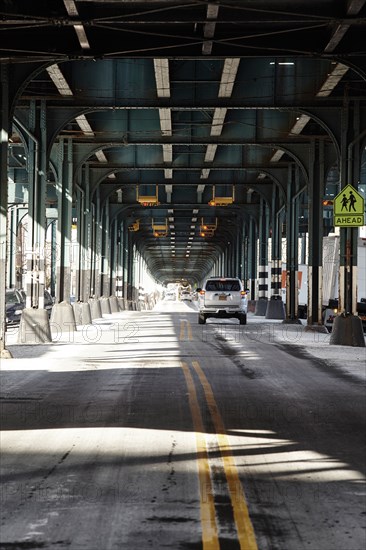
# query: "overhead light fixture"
216 129
165 121
79 29
282 63
83 40
59 80
161 68
228 76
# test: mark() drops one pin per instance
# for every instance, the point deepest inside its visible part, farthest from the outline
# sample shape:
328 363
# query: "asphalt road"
153 432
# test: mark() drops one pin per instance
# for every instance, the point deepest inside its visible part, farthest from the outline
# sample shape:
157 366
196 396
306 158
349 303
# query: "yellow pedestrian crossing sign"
349 208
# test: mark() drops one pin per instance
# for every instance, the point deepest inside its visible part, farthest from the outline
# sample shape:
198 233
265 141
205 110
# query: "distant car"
48 300
185 295
222 297
14 305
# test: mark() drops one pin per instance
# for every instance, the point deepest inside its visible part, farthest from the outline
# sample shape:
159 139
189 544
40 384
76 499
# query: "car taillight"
243 293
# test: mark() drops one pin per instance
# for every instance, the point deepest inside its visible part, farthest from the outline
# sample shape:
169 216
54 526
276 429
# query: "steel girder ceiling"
187 96
170 27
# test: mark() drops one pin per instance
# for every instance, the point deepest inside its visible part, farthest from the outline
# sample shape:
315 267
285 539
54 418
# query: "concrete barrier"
63 318
261 307
347 331
113 302
82 312
34 327
275 308
105 305
95 308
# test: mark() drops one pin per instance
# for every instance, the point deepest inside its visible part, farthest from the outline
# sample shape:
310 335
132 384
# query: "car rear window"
226 286
11 298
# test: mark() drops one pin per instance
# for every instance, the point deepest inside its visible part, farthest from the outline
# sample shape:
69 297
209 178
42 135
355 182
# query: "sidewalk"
348 360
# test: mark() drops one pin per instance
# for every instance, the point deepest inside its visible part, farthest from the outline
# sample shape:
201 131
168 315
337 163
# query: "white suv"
222 297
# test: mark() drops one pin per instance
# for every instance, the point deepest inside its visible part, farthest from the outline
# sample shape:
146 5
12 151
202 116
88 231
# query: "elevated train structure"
115 149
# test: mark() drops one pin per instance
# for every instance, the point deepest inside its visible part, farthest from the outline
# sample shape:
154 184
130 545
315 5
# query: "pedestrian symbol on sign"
349 208
344 202
352 199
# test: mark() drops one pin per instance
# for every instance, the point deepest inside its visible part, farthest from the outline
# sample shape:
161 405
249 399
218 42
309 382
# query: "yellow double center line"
184 324
210 539
244 527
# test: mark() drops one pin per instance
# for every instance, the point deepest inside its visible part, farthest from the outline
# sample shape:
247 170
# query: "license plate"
224 298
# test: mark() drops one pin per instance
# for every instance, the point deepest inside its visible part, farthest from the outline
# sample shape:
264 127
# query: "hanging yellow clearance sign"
349 208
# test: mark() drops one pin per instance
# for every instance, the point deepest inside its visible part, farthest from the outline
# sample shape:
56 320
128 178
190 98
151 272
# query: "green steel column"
105 279
245 252
31 246
64 195
53 257
276 252
263 234
87 266
242 252
239 251
41 202
119 287
92 249
80 240
228 261
98 246
315 271
252 258
292 245
235 255
114 258
12 234
232 255
275 307
125 262
4 137
130 268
